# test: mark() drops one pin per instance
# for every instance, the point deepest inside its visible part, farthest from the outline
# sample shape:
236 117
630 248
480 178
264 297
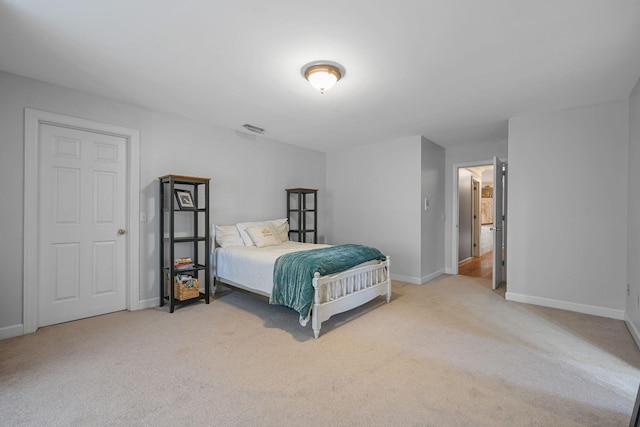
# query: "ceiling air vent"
253 128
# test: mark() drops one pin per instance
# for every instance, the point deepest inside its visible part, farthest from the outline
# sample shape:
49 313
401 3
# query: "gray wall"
567 209
377 193
433 224
249 174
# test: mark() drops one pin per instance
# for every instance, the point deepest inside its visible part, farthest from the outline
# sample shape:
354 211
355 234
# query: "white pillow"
263 236
242 228
228 235
281 227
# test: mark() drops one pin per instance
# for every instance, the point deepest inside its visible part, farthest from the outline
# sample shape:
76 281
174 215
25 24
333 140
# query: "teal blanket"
293 272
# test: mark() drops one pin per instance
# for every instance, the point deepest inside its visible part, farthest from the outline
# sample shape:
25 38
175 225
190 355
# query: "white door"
82 212
498 222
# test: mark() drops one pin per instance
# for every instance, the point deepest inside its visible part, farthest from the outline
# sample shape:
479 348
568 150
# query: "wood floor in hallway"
477 266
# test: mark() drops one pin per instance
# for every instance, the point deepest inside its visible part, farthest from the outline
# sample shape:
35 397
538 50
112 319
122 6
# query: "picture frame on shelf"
184 199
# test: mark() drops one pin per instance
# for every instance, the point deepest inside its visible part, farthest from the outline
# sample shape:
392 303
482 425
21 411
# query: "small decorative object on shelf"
186 287
183 264
184 239
184 199
302 205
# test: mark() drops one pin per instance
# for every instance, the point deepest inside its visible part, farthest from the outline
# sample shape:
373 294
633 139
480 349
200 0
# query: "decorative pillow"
263 236
228 235
242 228
281 227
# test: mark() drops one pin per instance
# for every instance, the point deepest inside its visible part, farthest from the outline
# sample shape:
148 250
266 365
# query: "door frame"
454 209
499 221
476 223
31 237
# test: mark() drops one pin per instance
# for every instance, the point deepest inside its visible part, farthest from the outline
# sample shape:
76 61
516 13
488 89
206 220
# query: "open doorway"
475 220
490 180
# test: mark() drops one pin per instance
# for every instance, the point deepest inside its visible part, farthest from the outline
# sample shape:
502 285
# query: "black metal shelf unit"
192 219
302 205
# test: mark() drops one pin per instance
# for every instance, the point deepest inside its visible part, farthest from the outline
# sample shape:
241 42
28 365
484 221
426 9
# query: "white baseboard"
417 280
149 303
431 276
633 330
406 279
17 330
11 331
566 305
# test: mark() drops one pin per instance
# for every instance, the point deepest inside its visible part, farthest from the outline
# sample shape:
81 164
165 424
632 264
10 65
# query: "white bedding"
252 267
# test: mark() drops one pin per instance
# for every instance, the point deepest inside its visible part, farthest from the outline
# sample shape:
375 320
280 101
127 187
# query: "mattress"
251 267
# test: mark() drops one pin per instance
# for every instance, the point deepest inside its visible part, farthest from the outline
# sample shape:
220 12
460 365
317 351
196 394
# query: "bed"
259 257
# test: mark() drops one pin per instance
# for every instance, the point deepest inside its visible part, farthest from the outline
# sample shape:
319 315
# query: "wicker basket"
184 289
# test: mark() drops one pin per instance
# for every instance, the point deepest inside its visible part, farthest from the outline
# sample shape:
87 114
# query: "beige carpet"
448 353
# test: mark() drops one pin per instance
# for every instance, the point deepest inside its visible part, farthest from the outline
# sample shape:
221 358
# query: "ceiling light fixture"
323 75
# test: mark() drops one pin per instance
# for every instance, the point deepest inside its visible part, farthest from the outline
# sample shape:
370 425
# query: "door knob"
121 231
494 229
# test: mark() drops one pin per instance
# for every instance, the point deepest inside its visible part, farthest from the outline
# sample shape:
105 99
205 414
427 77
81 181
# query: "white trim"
30 236
417 280
453 269
405 279
566 305
11 331
635 334
149 303
430 277
33 119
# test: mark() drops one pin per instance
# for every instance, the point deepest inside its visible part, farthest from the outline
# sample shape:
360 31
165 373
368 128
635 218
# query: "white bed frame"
342 291
347 290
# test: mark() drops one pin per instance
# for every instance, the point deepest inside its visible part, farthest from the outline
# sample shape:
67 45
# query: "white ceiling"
453 71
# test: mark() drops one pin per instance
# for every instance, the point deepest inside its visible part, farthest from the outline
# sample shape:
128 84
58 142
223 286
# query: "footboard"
343 291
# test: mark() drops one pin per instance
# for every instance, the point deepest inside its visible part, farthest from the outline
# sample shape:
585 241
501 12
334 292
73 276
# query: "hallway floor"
477 266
